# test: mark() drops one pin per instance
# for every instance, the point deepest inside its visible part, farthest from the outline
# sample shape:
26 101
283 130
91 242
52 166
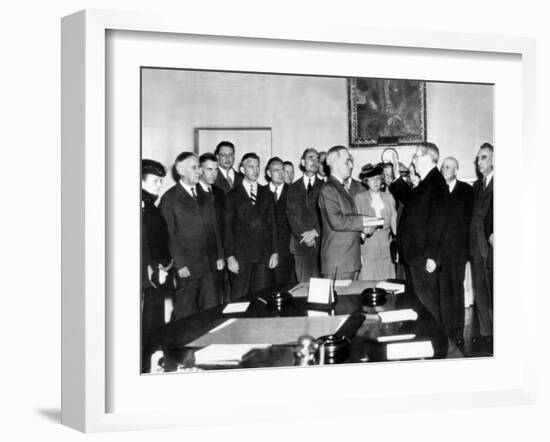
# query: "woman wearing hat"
375 251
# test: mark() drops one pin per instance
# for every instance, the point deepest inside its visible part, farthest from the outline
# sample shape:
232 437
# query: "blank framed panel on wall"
245 139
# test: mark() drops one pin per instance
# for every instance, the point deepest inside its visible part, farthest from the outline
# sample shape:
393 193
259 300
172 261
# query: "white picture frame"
86 314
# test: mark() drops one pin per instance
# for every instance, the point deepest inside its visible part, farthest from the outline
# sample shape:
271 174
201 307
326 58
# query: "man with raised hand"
422 226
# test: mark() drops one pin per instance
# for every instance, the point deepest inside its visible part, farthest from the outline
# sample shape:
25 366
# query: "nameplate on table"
406 314
393 338
321 291
236 307
410 350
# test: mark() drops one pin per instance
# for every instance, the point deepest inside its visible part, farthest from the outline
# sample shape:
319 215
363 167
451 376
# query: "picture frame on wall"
386 112
102 389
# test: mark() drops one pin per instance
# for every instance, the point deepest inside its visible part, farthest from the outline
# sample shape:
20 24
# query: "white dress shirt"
205 186
306 180
451 185
229 172
489 178
276 189
189 189
247 185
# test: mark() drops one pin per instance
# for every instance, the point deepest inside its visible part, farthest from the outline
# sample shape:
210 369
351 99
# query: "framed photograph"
114 117
386 112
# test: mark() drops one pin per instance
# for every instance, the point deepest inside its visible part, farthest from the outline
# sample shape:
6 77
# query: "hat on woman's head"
152 167
369 170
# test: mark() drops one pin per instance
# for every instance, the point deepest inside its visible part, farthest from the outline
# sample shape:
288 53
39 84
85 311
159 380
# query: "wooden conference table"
364 346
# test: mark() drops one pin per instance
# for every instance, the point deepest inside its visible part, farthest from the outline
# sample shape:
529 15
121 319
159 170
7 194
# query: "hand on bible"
273 261
232 264
184 272
308 236
368 231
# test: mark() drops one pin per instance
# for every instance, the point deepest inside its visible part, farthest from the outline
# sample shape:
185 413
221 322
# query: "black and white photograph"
292 220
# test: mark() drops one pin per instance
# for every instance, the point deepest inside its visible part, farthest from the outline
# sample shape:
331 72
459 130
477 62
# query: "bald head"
449 169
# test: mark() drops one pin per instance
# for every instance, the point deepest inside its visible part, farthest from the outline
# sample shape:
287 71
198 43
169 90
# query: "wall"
302 112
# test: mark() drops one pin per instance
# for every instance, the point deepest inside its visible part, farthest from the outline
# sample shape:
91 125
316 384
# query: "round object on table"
335 348
374 296
279 299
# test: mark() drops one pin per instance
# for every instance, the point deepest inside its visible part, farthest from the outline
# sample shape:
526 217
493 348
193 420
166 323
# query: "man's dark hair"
268 165
308 150
288 163
487 146
248 155
208 156
222 144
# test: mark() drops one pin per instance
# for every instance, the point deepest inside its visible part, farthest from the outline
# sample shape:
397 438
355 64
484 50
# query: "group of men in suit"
443 224
228 235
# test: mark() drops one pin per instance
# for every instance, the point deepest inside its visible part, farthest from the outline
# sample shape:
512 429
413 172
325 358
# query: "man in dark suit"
341 224
195 241
156 261
455 251
421 228
284 272
250 233
228 178
481 248
304 218
209 172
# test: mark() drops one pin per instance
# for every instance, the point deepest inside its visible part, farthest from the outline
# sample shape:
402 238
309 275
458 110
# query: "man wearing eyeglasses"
228 178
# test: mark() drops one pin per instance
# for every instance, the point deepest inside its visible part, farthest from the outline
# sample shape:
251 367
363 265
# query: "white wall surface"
30 221
302 112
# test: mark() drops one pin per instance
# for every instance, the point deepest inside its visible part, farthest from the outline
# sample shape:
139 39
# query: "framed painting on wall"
386 112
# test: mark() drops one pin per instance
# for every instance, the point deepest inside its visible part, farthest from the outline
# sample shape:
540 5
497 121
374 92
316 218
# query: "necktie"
252 195
275 195
485 182
193 193
310 185
347 185
229 180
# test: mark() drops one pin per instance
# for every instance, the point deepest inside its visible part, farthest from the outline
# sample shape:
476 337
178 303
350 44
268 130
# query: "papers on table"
314 313
398 315
391 287
373 222
408 350
342 282
392 338
320 291
236 307
222 325
224 354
